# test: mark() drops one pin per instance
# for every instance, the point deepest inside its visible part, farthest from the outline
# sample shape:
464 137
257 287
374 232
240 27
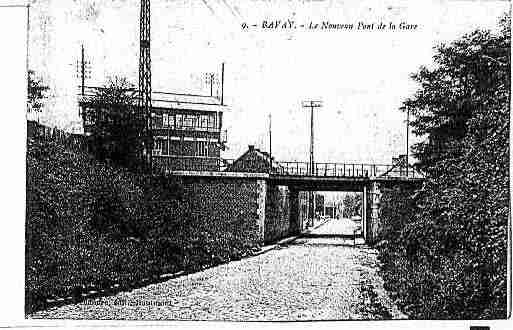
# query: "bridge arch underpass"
267 204
369 188
368 191
330 217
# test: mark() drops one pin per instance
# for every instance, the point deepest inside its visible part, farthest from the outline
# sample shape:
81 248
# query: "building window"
191 121
202 149
204 121
175 148
158 146
165 147
188 121
156 120
213 150
179 120
212 121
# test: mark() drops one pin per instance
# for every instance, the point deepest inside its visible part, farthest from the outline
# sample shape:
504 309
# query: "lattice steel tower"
145 80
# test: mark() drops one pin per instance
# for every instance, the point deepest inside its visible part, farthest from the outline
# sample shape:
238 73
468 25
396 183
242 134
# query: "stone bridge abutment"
260 208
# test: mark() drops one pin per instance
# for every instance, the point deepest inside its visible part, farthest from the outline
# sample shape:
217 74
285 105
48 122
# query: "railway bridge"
367 179
269 193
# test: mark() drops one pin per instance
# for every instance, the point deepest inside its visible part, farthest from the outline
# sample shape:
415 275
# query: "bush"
92 225
108 212
440 268
445 254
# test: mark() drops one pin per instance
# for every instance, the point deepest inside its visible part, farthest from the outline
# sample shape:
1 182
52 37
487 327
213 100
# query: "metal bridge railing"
345 170
166 164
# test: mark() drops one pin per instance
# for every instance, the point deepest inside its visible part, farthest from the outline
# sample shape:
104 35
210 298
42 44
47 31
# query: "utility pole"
211 84
209 80
28 40
82 69
407 140
222 83
311 104
270 146
145 81
311 171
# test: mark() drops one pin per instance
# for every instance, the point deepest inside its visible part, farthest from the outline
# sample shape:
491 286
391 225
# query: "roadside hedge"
444 247
90 225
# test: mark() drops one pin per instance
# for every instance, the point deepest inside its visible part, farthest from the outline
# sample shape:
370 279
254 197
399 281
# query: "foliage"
471 76
92 224
445 252
352 205
116 124
36 92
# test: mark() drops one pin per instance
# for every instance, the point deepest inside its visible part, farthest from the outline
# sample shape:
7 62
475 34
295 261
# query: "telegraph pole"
407 140
270 146
209 80
211 84
82 69
311 104
145 80
222 83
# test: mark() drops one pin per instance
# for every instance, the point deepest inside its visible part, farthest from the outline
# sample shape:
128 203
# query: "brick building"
187 139
256 161
187 133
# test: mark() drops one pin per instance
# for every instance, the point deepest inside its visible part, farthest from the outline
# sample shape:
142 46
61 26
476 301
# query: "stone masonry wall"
233 204
303 210
277 213
373 213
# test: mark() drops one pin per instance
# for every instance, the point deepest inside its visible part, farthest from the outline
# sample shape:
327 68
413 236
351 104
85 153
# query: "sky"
361 76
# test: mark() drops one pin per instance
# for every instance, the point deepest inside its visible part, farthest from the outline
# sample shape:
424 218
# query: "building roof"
170 101
255 160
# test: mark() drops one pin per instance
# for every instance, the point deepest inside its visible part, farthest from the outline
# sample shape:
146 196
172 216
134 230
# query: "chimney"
251 147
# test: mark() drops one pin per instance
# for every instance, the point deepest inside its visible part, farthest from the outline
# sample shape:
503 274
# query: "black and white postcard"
266 160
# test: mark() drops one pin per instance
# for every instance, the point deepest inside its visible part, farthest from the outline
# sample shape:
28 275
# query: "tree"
467 75
116 124
36 92
352 205
453 243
